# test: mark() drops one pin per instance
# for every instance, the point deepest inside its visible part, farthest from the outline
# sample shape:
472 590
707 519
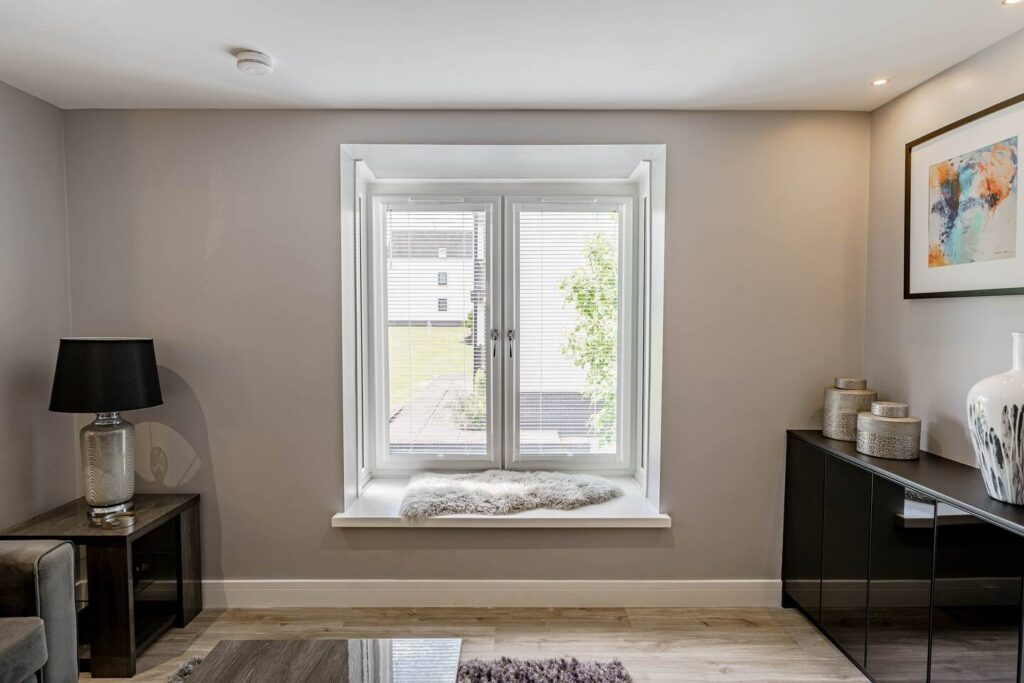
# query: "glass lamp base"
108 464
100 512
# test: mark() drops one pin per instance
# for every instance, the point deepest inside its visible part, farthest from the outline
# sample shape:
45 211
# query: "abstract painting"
963 213
972 212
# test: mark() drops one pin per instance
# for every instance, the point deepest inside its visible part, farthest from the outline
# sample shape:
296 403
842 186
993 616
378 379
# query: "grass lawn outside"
417 355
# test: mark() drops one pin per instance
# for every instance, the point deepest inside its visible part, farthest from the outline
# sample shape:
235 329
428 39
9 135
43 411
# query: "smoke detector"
254 63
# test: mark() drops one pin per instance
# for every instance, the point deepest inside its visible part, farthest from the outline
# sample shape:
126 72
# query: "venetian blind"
437 380
568 331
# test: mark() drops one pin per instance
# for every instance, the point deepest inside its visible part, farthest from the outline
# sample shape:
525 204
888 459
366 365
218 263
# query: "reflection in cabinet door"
977 601
844 555
902 535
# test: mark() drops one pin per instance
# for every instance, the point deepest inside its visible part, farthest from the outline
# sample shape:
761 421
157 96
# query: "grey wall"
216 232
37 456
930 352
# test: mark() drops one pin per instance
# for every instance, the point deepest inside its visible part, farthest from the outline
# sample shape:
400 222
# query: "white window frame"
381 460
623 461
359 184
502 368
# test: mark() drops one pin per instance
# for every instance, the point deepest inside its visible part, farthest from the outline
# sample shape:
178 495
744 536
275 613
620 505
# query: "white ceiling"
620 54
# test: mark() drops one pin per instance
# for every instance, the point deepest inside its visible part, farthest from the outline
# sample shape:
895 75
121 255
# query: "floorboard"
654 644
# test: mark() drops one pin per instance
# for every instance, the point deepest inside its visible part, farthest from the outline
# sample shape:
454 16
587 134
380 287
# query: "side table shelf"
139 581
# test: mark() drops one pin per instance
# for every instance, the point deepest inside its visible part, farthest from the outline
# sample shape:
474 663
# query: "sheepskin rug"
501 492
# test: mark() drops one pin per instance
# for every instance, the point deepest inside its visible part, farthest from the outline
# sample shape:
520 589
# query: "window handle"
494 342
511 339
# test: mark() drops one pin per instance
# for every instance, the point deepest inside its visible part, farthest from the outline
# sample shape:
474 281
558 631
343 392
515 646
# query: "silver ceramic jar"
843 401
889 432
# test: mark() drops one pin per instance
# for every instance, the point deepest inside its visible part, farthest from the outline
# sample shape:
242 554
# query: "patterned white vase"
995 414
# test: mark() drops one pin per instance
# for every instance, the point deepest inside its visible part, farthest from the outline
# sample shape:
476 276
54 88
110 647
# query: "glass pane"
902 534
437 375
844 556
977 610
568 334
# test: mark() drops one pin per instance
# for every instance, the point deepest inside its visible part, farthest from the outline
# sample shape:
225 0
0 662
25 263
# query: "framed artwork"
963 218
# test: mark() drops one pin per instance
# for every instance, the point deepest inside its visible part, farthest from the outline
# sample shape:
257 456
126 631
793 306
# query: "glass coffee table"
394 660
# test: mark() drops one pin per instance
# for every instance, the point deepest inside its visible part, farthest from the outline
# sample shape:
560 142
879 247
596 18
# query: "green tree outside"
593 290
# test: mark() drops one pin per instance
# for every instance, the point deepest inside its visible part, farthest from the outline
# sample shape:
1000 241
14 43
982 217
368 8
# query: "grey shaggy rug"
504 670
501 492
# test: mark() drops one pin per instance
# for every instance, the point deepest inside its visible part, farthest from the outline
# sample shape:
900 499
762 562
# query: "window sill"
378 505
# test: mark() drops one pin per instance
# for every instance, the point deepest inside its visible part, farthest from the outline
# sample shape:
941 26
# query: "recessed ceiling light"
883 81
254 63
1012 2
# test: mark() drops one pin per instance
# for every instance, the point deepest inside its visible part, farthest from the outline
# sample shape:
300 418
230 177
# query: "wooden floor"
654 644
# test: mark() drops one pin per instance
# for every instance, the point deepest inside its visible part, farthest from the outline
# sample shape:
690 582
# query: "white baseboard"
417 593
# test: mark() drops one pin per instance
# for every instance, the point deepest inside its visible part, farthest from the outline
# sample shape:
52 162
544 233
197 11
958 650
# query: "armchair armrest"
37 579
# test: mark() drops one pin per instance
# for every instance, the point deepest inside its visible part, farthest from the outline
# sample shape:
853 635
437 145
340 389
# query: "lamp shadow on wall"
172 455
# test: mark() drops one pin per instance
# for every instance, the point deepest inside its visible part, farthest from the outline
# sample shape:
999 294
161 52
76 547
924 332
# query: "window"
547 351
431 377
529 361
568 289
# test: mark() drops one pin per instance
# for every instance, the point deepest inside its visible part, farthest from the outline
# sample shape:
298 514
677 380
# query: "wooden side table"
141 580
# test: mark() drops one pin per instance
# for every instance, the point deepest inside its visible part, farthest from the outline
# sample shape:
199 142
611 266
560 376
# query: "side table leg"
112 606
190 574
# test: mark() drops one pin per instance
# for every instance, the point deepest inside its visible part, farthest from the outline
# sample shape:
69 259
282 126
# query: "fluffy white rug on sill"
501 492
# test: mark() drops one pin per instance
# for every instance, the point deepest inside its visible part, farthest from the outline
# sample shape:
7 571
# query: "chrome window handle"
511 339
494 342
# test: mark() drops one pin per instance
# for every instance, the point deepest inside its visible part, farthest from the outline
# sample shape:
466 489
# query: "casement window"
530 358
502 307
431 378
570 303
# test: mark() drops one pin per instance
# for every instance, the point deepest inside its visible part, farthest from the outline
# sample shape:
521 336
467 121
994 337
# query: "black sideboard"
907 566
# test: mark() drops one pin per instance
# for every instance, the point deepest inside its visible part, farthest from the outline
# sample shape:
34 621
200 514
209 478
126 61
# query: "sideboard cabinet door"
801 546
844 555
899 595
977 599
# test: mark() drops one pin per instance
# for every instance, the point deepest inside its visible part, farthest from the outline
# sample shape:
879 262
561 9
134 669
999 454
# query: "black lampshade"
104 376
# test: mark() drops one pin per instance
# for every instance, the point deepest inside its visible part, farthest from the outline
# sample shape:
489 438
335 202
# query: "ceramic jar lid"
850 383
890 409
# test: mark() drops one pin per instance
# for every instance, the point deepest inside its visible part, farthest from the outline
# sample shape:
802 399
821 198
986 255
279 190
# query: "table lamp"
105 376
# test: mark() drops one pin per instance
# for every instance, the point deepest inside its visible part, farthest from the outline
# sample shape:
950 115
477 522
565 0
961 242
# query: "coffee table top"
397 660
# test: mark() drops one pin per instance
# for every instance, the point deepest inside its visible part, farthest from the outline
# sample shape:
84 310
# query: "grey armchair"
38 629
